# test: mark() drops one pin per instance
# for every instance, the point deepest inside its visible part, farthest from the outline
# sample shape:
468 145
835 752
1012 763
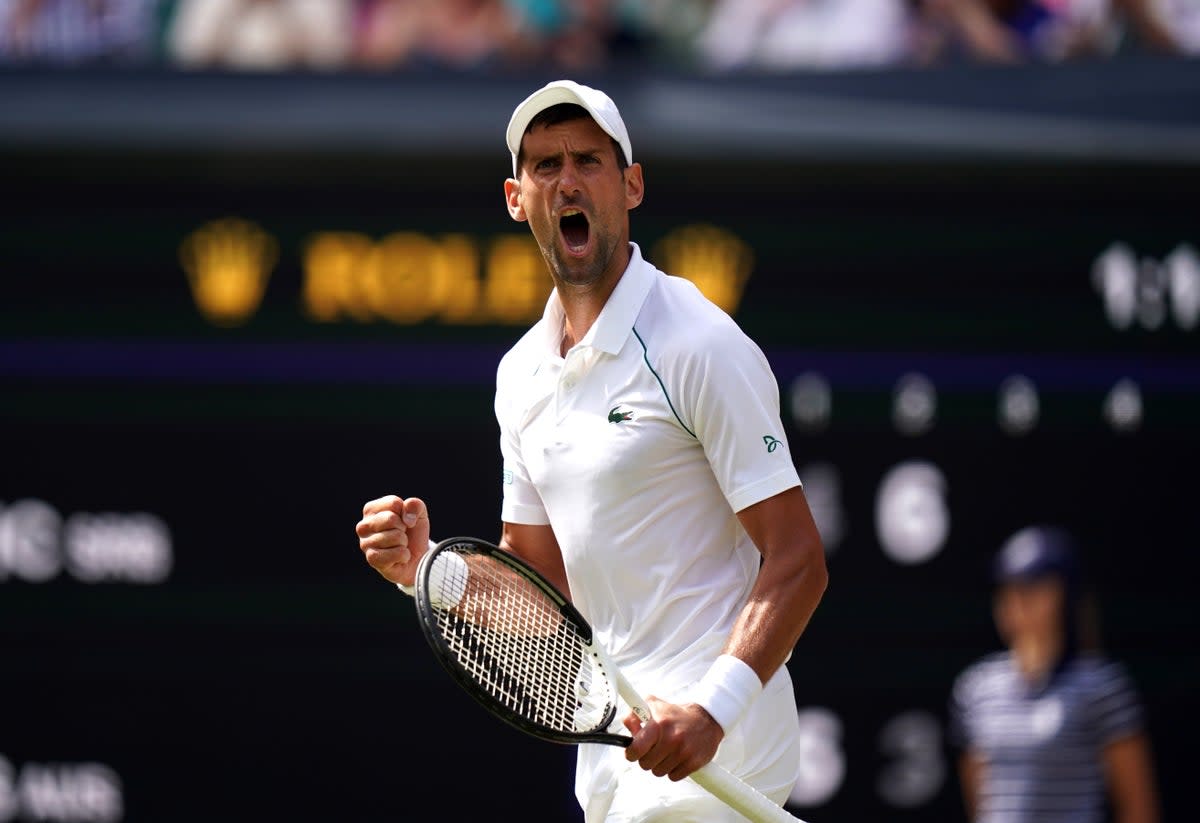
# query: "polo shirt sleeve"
732 399
520 501
958 711
1115 708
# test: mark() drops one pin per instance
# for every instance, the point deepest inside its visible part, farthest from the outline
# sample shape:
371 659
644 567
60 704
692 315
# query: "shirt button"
569 383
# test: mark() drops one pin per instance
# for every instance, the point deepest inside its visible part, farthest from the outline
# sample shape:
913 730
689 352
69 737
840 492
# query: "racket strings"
519 647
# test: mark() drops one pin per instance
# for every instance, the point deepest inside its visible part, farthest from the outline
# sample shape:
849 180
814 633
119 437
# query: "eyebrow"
597 151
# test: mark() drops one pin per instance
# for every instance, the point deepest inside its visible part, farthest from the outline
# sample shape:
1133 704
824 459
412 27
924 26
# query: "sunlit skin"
572 168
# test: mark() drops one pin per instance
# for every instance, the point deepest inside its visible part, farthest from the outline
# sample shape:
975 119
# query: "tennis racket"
517 646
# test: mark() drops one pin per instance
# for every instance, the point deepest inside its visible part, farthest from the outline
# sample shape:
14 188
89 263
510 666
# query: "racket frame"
713 777
428 621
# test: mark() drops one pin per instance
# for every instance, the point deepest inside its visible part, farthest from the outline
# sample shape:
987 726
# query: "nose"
568 178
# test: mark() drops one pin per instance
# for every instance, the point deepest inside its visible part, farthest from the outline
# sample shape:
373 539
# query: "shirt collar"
611 329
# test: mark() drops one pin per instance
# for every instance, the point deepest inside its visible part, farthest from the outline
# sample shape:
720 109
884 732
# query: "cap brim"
554 95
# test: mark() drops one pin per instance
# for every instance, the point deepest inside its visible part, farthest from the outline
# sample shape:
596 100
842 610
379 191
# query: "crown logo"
717 261
228 262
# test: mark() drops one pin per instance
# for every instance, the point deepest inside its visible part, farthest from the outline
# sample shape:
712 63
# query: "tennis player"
1049 730
647 473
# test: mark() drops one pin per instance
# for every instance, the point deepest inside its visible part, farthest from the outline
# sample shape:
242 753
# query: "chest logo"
771 443
618 416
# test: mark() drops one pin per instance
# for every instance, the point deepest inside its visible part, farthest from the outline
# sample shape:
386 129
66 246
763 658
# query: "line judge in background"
645 472
1049 730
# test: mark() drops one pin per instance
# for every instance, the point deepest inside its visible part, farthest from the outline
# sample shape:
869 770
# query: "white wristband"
411 590
727 690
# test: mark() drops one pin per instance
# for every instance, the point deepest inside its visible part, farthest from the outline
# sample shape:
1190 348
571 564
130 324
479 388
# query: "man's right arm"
538 546
970 776
393 535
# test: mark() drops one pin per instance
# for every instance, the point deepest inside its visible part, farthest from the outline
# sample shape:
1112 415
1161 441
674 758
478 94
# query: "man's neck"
1037 656
582 305
580 312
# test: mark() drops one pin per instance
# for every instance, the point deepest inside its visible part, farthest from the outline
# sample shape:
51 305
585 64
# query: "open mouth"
574 227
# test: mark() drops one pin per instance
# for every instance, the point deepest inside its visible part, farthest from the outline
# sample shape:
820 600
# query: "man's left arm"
1129 771
790 582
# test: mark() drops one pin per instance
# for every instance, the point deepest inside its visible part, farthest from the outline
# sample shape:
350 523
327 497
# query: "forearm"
1143 814
970 776
538 547
780 605
1131 780
790 585
791 580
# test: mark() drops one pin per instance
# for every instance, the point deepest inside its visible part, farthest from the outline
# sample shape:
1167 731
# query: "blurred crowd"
574 35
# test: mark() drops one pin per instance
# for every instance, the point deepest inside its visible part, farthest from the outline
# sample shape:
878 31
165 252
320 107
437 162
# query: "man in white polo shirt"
646 473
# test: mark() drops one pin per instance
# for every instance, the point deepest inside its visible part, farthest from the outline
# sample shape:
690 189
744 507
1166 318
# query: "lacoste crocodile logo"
615 416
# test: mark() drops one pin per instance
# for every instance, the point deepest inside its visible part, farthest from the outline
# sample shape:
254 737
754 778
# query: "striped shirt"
1042 744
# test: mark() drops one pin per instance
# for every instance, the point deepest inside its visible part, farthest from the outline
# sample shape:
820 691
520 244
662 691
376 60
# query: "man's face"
576 199
1032 608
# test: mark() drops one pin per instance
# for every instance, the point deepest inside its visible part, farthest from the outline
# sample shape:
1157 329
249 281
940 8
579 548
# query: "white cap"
598 104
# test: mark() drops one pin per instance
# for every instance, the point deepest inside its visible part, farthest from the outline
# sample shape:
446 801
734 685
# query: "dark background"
272 674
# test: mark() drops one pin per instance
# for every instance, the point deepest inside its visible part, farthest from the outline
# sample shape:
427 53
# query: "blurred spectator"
578 35
583 35
260 34
781 35
1169 25
1014 31
570 35
669 28
387 33
459 34
1049 730
67 32
468 33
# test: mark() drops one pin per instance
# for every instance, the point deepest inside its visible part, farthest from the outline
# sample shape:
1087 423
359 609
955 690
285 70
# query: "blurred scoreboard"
210 361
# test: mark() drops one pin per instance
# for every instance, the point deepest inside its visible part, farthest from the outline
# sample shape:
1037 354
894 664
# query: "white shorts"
763 750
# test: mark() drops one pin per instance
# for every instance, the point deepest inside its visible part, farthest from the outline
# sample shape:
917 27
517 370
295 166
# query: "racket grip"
713 777
741 796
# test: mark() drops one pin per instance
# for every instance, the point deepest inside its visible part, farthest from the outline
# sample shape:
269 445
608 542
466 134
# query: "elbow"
820 574
815 570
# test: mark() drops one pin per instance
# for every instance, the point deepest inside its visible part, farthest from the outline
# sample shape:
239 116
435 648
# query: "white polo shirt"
638 448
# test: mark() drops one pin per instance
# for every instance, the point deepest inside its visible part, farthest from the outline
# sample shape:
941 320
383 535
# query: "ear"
635 187
512 195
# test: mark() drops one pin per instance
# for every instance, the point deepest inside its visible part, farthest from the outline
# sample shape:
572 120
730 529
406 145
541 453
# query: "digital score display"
209 363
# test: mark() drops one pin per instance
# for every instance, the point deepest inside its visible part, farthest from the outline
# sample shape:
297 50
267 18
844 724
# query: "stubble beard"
574 272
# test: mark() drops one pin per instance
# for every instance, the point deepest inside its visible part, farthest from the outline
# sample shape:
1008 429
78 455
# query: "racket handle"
741 796
714 778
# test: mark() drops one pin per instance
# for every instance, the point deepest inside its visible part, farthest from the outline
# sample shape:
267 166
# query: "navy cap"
1035 552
